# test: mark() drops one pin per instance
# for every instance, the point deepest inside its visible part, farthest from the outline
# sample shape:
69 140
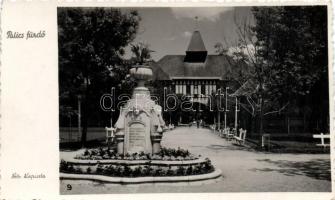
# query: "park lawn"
288 146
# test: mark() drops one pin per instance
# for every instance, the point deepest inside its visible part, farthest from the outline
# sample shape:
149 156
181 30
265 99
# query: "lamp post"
79 115
236 110
219 107
225 110
112 102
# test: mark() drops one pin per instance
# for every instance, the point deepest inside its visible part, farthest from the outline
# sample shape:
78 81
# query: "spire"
196 51
196 43
196 22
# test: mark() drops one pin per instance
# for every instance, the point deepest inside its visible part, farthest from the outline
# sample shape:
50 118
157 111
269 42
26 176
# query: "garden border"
135 162
150 179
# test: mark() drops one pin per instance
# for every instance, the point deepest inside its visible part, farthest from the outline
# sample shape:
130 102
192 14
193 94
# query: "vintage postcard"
149 100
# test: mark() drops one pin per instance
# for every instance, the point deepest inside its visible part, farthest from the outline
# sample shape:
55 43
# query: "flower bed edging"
135 162
151 179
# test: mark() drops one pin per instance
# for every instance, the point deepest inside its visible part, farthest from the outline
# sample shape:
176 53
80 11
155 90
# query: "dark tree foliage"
92 42
286 51
293 42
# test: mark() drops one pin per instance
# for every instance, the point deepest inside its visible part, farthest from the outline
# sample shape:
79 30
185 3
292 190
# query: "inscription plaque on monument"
136 137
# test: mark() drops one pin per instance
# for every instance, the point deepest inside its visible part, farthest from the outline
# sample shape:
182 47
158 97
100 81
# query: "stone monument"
139 127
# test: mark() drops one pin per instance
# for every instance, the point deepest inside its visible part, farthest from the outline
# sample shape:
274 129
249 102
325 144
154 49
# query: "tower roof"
196 43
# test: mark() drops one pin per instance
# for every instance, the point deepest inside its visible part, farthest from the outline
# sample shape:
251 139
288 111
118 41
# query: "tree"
91 46
286 50
294 43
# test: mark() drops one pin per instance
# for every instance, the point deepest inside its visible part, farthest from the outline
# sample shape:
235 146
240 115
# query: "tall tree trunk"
261 118
85 117
84 120
219 119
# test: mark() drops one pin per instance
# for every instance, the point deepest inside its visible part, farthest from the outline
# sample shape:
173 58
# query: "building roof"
196 64
158 73
196 43
173 66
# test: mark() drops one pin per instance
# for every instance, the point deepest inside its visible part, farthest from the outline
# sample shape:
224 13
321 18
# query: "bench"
322 137
171 126
240 139
110 134
231 134
224 132
266 141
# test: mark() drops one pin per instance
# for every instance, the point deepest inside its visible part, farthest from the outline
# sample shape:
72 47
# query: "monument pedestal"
120 143
140 123
156 143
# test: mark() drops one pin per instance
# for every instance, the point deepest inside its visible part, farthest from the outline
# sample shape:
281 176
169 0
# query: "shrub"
86 153
119 171
138 171
127 156
101 151
180 171
208 166
111 153
107 153
158 172
99 169
169 172
71 168
197 169
142 154
63 166
127 171
78 170
109 170
94 152
189 170
147 170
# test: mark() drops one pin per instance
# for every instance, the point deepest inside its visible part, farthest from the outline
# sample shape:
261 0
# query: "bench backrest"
322 137
244 134
109 131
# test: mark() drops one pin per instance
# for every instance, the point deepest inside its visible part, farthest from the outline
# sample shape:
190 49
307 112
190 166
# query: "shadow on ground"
229 147
317 168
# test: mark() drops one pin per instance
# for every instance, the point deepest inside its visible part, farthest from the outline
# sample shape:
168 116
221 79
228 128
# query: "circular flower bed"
124 170
166 154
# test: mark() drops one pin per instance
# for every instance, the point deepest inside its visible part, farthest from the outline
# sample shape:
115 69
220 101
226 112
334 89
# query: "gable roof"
214 66
158 73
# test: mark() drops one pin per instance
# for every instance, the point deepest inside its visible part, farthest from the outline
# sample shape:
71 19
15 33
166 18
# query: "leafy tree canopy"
91 45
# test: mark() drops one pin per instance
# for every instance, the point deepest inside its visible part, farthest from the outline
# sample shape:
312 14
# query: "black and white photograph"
193 99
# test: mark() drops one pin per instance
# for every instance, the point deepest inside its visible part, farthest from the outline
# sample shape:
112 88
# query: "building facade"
198 75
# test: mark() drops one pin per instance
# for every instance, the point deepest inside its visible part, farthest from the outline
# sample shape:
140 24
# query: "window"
195 89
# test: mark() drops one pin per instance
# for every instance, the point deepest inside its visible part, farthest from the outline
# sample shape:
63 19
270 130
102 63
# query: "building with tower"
197 74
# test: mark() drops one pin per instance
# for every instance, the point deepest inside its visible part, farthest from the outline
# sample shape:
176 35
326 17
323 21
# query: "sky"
168 30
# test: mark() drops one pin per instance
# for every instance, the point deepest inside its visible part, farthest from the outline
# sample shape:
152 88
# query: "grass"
288 146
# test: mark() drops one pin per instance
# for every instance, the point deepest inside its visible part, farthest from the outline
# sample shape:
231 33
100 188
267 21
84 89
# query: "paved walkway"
244 170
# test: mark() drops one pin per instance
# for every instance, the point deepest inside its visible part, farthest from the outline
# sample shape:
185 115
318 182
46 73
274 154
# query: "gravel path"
244 170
